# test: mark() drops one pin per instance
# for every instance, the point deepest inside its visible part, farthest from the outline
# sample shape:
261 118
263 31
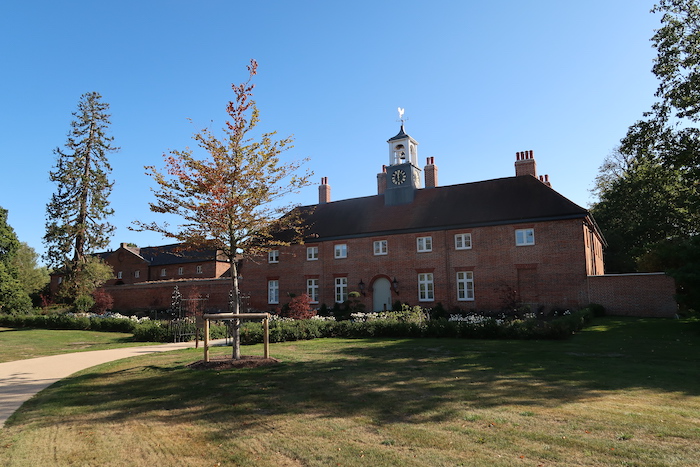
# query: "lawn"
18 344
623 392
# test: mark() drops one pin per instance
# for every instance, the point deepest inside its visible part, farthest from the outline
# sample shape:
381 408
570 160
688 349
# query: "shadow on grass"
386 381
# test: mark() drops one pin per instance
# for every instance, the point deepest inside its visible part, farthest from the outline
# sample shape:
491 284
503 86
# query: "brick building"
162 266
471 246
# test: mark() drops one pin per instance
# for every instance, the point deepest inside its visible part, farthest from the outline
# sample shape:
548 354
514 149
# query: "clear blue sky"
479 82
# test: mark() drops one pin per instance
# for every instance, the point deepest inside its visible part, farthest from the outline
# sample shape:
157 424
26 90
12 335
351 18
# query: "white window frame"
199 269
273 256
424 244
163 272
312 253
273 292
463 241
524 237
180 271
465 286
340 251
312 290
137 274
426 287
381 247
341 289
119 275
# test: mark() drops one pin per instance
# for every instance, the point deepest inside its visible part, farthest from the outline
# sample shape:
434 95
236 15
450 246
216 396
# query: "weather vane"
401 112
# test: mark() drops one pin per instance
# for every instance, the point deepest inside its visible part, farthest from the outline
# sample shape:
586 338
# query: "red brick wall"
158 295
650 295
555 267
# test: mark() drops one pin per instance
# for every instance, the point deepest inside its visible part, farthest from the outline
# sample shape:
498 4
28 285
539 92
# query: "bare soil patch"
227 363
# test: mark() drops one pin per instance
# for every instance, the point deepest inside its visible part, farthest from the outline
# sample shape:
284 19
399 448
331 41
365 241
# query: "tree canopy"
649 195
12 297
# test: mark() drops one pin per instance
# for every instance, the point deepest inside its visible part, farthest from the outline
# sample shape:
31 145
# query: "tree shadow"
388 381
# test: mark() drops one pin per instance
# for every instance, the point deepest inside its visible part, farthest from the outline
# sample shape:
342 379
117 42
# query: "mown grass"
622 392
22 343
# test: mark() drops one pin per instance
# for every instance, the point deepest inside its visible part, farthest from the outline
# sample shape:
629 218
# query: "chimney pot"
324 191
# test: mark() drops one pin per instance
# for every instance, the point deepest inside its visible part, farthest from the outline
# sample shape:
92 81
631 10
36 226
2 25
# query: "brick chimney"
381 181
431 173
525 164
545 179
324 191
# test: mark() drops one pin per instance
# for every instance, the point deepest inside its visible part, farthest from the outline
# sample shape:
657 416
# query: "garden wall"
157 295
645 295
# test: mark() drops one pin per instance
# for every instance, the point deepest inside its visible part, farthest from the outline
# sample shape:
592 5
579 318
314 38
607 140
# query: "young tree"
231 199
12 297
76 214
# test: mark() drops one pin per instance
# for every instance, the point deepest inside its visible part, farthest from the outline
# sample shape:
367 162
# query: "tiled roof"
491 202
174 254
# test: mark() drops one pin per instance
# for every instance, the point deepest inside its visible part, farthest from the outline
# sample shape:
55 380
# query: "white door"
381 298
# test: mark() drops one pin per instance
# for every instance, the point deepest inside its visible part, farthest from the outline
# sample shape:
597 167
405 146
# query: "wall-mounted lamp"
395 284
361 285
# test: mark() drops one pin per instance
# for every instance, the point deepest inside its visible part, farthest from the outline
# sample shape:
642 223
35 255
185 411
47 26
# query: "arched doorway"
381 294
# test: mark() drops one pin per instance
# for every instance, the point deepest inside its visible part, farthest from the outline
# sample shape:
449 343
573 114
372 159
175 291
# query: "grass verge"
622 392
22 343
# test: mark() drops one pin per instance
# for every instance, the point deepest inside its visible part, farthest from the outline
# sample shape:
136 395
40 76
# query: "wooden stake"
266 337
206 340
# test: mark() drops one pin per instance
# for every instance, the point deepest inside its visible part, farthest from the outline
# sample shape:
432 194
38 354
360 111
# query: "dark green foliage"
598 310
648 191
439 311
680 258
34 279
63 321
83 303
284 331
75 215
12 296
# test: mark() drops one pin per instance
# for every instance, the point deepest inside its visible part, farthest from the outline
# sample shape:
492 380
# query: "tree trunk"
236 309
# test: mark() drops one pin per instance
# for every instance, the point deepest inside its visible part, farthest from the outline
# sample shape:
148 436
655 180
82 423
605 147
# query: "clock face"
398 177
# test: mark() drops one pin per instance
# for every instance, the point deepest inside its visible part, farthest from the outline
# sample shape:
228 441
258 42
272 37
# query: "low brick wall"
157 295
646 295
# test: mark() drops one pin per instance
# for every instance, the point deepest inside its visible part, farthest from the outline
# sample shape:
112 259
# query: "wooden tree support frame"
265 317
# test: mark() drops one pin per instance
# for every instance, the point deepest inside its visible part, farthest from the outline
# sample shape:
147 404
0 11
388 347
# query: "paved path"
21 379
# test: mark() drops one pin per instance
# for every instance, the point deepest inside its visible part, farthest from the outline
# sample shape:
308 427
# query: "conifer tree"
77 211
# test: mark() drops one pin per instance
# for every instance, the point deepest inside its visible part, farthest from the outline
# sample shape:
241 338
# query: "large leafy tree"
12 297
650 210
230 199
32 277
76 215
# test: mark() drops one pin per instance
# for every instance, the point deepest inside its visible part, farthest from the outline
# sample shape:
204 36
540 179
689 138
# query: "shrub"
83 303
299 308
151 331
103 301
598 310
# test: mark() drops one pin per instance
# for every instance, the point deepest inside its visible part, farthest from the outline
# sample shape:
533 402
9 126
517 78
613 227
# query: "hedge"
282 331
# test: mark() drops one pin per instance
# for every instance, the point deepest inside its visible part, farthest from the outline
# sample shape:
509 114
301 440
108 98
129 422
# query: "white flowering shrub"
109 314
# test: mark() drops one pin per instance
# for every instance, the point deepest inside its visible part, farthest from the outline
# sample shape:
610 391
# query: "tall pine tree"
77 211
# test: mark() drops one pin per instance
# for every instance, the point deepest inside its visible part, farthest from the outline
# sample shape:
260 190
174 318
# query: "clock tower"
402 173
